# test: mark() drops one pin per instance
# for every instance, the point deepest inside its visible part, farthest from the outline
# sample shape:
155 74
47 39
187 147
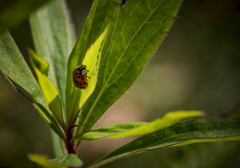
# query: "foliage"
115 45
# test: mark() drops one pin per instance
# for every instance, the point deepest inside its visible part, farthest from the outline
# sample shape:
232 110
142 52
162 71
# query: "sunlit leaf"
104 132
91 61
46 85
60 162
140 28
179 134
130 129
103 14
167 120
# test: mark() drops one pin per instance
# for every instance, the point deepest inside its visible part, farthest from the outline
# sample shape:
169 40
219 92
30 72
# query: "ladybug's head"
81 70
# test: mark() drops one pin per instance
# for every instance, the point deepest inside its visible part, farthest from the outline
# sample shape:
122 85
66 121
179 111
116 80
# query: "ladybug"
80 77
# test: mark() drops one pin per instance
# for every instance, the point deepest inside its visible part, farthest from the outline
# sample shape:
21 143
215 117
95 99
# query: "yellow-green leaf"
167 120
91 60
137 128
182 133
60 162
41 66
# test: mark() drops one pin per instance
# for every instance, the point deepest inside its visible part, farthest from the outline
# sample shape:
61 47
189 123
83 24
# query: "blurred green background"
197 67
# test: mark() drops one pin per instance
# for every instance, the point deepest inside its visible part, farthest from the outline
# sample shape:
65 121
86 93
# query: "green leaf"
104 132
141 26
53 41
167 120
103 14
60 162
205 155
16 12
91 61
15 69
41 66
179 134
130 129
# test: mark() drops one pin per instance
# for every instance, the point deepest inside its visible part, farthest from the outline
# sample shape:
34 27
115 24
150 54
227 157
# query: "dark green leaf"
17 11
205 155
182 133
140 28
14 67
53 40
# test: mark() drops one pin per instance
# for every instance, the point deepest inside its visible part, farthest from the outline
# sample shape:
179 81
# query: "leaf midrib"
105 85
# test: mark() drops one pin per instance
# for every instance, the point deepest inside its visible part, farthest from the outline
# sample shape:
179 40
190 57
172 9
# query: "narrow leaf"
60 162
14 67
179 134
104 132
206 155
103 14
53 40
16 12
141 26
91 61
130 129
40 66
167 120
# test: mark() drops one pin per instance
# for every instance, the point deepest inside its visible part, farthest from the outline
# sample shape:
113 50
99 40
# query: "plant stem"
70 144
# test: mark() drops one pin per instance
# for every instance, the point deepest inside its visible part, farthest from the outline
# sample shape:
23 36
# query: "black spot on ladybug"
85 83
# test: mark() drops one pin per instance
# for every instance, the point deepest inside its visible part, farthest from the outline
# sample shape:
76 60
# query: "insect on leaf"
140 28
103 14
91 61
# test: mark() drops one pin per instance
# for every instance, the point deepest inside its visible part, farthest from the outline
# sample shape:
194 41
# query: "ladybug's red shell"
80 77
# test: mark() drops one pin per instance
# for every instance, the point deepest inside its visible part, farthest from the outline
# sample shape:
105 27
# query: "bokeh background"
197 67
